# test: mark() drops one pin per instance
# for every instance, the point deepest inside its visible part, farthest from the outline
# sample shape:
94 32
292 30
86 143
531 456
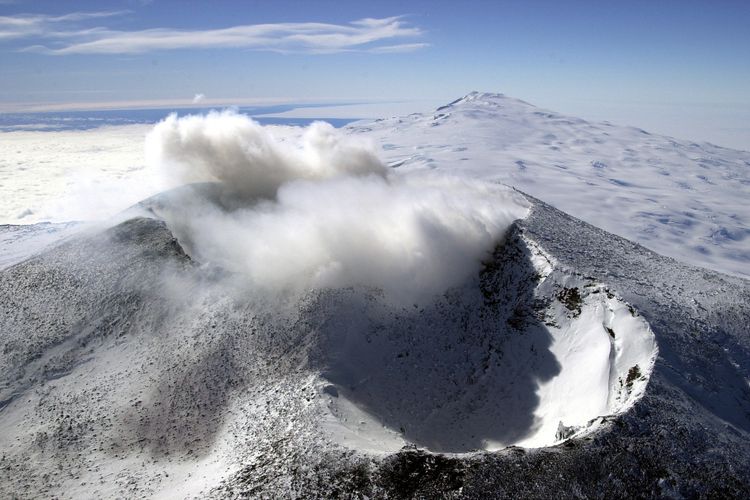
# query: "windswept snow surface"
681 199
72 175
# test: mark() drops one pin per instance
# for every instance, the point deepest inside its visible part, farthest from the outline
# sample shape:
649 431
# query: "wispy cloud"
402 47
60 35
29 25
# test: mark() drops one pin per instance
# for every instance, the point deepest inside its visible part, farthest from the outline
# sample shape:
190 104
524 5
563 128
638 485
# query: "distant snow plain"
679 198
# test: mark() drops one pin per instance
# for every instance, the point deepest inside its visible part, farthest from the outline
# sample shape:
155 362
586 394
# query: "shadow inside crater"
458 375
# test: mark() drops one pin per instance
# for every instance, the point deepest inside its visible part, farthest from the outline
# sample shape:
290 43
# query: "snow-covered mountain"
214 343
130 370
678 198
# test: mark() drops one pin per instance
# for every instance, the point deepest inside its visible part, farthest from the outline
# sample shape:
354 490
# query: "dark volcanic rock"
128 372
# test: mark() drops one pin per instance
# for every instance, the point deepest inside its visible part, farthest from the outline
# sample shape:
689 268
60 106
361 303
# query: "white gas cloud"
233 149
61 37
323 211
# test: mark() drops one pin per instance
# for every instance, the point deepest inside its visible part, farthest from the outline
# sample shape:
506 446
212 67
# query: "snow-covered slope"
150 356
19 242
679 198
129 369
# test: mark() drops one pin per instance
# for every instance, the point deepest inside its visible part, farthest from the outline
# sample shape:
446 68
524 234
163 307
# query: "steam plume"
323 211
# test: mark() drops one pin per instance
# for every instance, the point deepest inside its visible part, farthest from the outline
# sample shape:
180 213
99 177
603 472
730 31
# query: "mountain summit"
679 198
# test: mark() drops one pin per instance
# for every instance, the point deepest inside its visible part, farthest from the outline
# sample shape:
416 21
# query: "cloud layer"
323 211
62 35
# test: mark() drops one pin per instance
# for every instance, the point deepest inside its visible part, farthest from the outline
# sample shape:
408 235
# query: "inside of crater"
529 356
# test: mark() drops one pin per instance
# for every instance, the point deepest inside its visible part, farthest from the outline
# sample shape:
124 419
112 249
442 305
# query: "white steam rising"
235 150
324 211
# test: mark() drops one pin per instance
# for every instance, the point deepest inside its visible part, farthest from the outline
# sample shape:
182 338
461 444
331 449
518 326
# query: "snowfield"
60 176
678 198
293 318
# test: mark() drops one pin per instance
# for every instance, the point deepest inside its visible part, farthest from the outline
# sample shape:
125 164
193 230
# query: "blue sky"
571 56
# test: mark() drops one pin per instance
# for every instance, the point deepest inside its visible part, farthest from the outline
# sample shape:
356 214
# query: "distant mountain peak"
475 97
